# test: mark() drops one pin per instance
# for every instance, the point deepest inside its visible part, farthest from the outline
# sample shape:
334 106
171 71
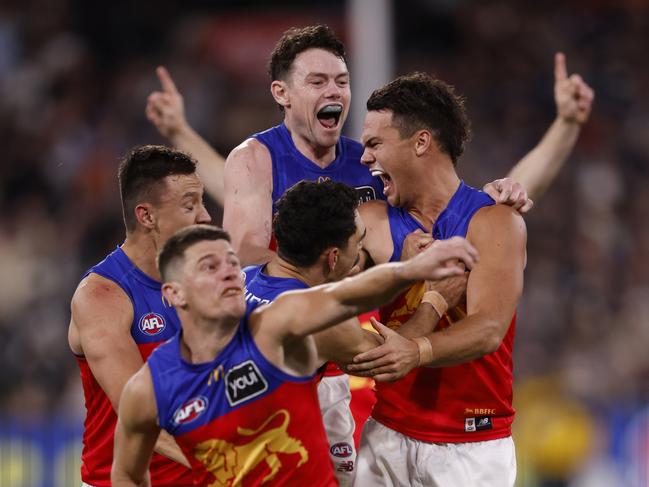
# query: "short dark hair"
418 101
175 247
143 170
311 217
296 40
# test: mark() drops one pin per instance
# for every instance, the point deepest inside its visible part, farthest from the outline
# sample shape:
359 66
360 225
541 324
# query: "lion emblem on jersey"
230 463
402 308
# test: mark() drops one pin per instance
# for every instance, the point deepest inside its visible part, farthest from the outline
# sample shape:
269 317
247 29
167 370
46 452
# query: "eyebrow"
367 142
326 75
206 256
191 194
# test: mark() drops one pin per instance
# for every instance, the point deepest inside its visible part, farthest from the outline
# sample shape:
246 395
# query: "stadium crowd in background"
71 104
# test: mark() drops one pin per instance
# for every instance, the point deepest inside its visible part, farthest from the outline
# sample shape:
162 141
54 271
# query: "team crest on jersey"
243 382
190 410
267 445
152 324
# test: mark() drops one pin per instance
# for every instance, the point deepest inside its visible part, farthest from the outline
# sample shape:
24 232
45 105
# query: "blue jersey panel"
290 166
154 320
453 220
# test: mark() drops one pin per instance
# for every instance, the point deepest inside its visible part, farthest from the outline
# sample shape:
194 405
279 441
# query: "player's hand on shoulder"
166 108
572 95
509 192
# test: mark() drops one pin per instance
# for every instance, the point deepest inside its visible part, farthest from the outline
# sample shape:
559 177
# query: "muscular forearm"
374 287
469 339
539 167
342 342
421 323
120 479
168 447
210 163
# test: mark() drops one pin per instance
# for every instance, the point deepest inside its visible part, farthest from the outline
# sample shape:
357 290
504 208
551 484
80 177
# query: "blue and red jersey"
239 419
154 321
461 403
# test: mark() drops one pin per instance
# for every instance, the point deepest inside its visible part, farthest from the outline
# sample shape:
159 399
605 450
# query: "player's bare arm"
136 432
342 342
400 353
296 314
493 290
248 201
102 314
574 99
376 247
100 330
165 109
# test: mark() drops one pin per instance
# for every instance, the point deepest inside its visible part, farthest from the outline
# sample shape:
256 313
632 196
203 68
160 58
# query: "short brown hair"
296 40
143 170
419 101
175 247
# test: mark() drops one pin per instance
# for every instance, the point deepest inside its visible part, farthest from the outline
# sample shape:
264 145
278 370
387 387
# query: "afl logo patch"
191 410
341 450
151 324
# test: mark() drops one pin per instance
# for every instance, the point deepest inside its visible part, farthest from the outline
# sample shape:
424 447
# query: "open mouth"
385 178
330 115
232 291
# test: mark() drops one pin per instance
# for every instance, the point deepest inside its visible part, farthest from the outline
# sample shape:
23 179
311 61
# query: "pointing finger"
560 70
166 82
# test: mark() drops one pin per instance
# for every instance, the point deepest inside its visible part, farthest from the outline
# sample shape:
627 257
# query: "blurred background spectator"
74 77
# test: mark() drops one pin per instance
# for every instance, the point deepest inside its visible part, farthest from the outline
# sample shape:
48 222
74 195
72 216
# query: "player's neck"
431 192
203 339
141 249
278 267
319 155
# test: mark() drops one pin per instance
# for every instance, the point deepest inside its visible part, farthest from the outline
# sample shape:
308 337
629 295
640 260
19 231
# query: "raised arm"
300 313
574 99
136 432
100 329
248 206
166 110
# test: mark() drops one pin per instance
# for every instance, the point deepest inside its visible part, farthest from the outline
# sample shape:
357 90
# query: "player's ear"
423 140
145 215
278 89
172 293
332 254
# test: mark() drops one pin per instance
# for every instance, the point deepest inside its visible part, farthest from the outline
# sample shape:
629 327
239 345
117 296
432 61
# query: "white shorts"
388 458
334 396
